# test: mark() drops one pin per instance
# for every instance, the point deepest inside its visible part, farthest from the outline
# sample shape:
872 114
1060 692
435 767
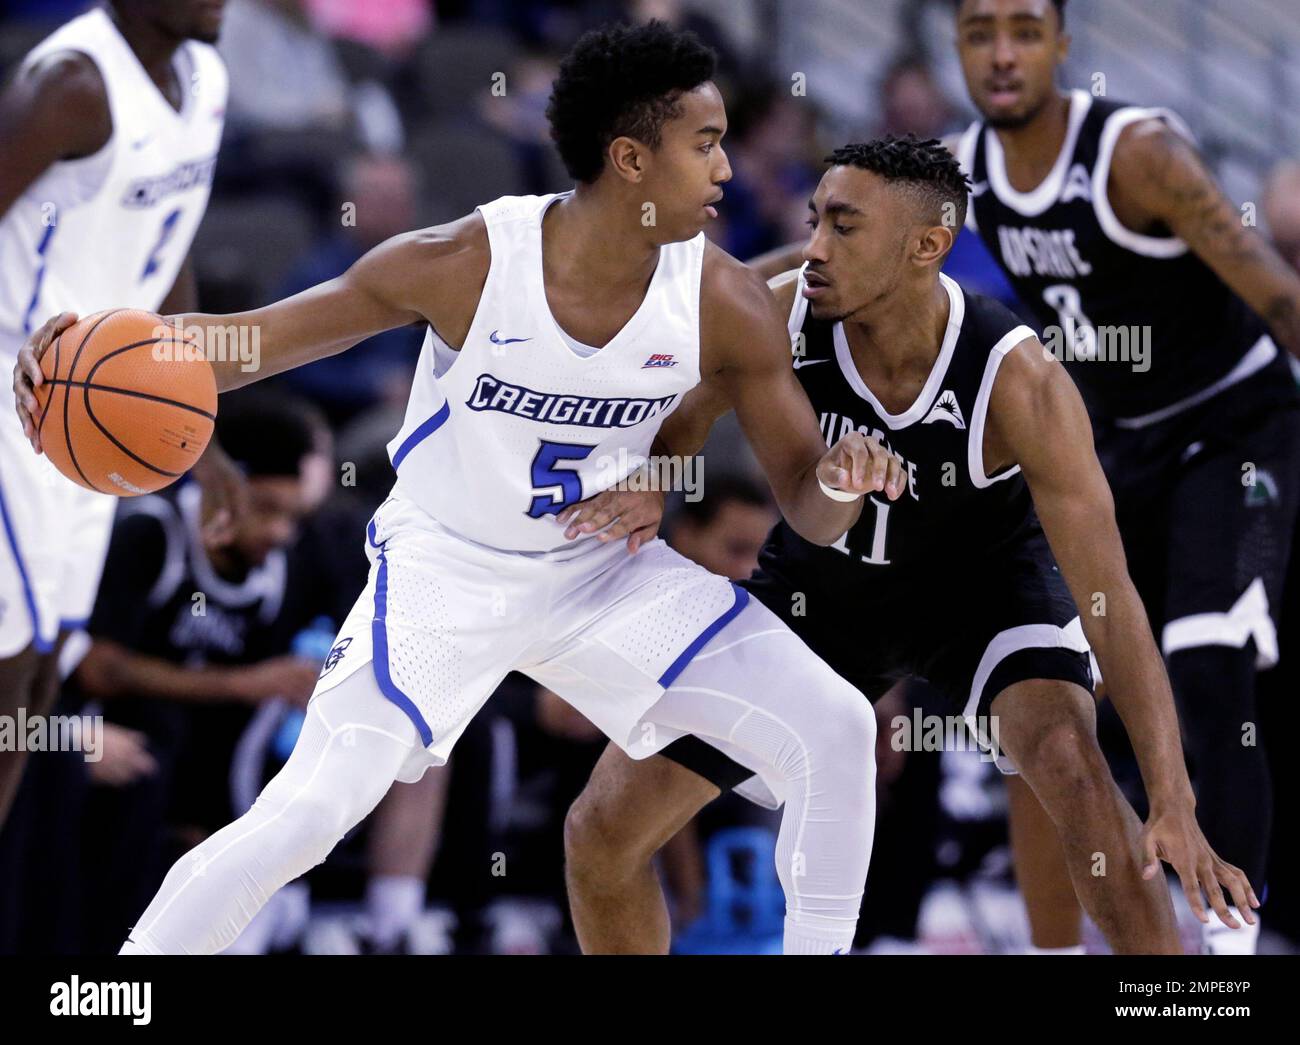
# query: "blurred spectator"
378 202
293 110
775 161
284 73
520 115
911 101
724 530
393 27
680 15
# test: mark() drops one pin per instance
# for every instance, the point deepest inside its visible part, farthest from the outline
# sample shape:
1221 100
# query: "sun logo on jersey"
948 410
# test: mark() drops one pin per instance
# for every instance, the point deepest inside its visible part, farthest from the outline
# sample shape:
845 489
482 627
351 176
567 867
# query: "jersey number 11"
877 556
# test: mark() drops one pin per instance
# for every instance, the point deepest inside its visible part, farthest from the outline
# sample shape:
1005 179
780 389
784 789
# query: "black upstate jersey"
1102 285
951 518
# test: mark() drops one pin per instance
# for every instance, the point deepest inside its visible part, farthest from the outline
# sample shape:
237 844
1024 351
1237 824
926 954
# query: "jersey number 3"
546 476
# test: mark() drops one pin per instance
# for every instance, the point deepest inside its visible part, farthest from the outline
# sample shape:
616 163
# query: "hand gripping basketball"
120 402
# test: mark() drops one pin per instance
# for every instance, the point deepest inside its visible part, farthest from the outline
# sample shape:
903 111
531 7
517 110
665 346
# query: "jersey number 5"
546 476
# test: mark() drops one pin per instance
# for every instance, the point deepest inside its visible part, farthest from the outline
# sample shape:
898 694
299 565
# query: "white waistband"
1261 353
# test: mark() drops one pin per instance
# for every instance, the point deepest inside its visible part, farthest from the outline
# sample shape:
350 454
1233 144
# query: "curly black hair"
925 167
622 80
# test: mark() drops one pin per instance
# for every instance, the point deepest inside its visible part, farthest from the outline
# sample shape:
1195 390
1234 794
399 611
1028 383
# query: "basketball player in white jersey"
108 136
581 319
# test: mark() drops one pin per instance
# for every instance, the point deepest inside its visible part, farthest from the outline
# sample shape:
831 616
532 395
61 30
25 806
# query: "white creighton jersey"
519 426
112 229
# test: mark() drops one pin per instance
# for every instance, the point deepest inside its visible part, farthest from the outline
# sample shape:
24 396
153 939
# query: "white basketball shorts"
442 620
53 539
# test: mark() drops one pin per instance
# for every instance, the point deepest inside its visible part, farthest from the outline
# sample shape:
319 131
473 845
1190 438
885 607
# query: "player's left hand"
615 514
860 464
28 375
225 496
1174 836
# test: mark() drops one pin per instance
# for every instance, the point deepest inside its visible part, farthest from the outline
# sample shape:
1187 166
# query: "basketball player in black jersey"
1168 311
1160 299
953 581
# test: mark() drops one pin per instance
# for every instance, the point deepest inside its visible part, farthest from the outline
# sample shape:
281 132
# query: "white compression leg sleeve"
784 713
352 744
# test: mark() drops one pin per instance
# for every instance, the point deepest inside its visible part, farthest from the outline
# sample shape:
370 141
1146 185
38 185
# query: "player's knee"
308 827
599 843
1062 757
850 730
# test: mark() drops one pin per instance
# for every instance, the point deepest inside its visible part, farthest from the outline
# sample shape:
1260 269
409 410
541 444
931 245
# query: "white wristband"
837 495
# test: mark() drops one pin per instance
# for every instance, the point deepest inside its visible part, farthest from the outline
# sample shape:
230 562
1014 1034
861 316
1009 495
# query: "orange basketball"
127 405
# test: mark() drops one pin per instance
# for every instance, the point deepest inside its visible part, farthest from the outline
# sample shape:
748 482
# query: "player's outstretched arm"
1158 172
422 275
745 351
434 274
1036 419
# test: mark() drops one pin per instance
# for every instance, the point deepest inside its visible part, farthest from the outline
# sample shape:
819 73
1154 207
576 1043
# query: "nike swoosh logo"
507 340
808 362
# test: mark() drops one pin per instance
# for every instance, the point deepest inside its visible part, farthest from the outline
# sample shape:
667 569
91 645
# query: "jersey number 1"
168 227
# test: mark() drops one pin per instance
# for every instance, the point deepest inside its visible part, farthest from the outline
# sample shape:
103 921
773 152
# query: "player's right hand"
27 372
860 464
614 514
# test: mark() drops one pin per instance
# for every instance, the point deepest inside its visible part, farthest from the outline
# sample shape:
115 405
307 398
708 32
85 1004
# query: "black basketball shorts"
971 633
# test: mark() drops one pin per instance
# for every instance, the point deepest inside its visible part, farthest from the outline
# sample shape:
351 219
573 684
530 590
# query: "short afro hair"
925 168
622 80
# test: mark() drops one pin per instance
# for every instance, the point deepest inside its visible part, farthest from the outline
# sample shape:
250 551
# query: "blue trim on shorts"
423 432
379 640
42 646
688 654
74 623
